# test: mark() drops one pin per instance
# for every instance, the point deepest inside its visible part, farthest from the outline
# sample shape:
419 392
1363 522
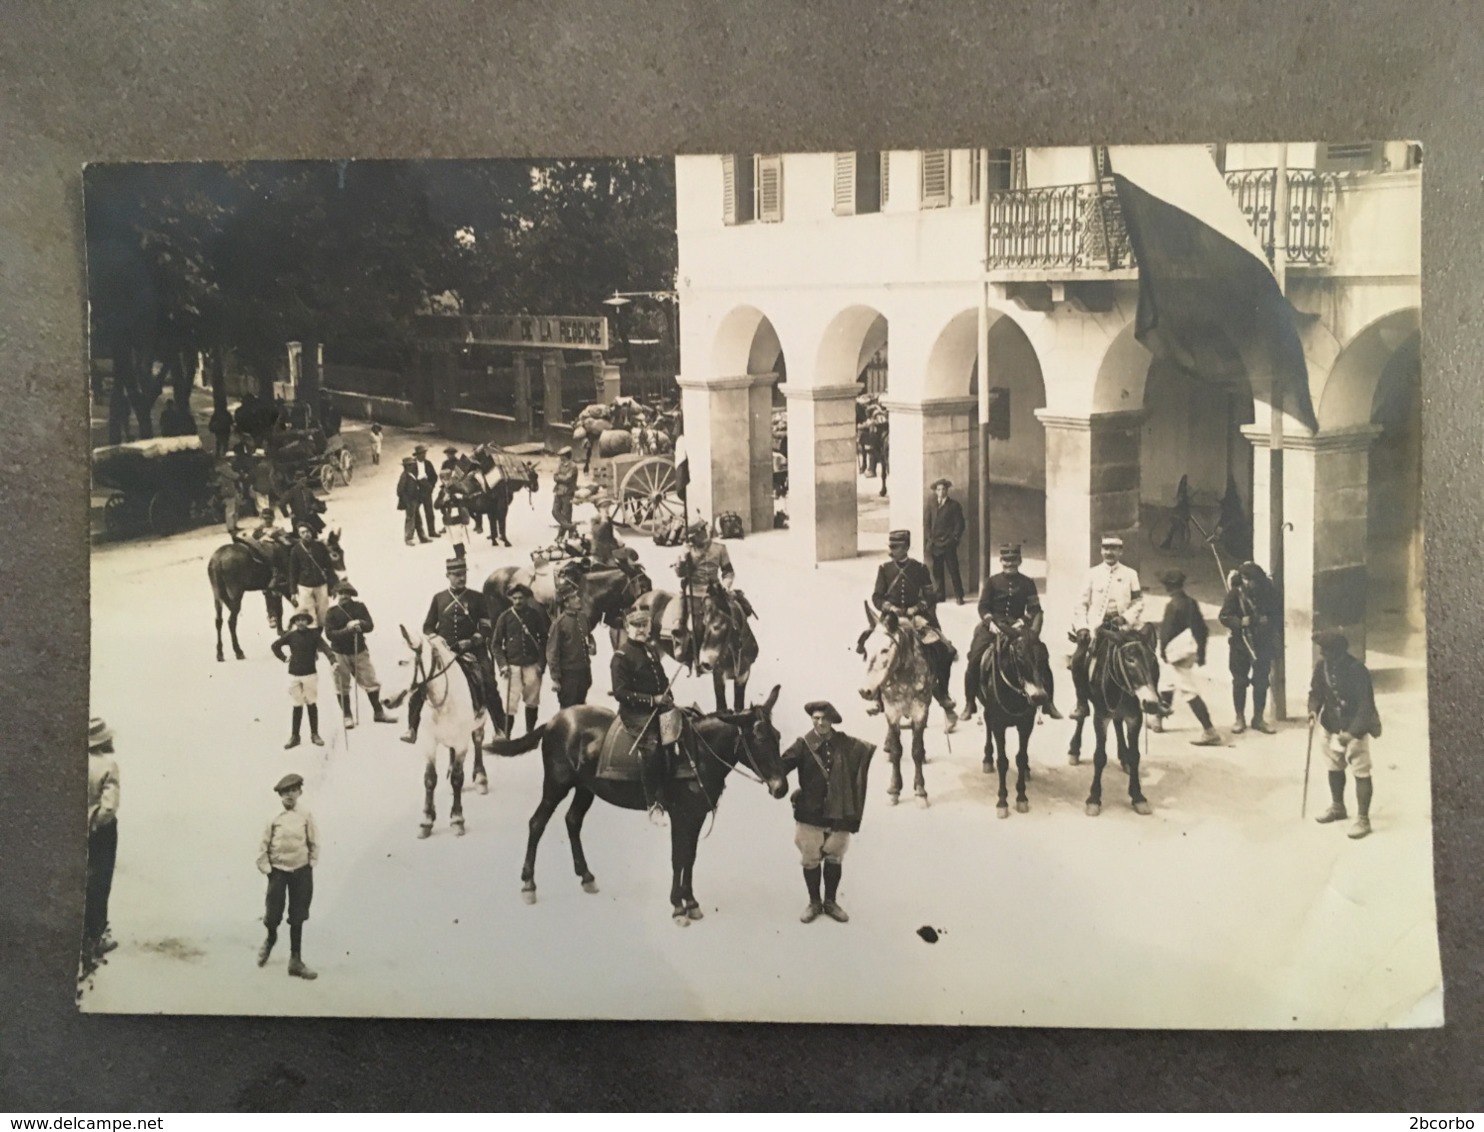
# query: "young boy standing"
304 643
287 856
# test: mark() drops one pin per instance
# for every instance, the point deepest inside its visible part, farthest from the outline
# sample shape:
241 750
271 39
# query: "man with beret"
570 648
563 488
1113 597
828 804
346 627
287 856
311 573
410 502
103 842
945 530
427 483
1009 604
705 561
646 707
460 616
519 647
1182 645
904 587
1343 702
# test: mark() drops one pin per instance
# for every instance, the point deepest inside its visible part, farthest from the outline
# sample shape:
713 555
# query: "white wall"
1186 433
1059 165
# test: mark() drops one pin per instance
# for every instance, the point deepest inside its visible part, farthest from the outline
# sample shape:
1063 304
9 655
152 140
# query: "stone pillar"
930 440
524 363
552 372
760 428
612 383
718 442
1092 489
822 470
1325 514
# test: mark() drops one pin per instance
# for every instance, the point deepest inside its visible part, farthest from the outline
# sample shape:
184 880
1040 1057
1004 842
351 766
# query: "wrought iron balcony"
1079 228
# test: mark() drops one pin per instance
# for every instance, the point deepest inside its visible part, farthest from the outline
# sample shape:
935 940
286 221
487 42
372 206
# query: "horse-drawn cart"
324 461
645 489
161 485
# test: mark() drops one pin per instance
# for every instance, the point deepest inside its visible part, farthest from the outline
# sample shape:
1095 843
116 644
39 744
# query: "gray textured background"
209 79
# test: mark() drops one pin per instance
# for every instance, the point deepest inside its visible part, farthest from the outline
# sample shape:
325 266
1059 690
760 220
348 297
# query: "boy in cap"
304 642
518 644
1343 702
287 856
563 487
828 804
346 627
1182 645
103 842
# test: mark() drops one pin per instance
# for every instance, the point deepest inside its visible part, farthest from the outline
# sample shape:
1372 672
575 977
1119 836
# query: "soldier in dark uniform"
460 616
904 587
644 699
1253 612
1008 604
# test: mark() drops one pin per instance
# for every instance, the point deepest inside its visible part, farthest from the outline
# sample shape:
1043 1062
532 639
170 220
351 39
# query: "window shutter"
934 178
770 188
886 177
844 184
1017 169
976 176
728 189
1348 157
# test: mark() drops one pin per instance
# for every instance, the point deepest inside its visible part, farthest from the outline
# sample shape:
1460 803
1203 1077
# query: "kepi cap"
518 588
815 706
1112 540
564 450
899 538
1009 552
455 566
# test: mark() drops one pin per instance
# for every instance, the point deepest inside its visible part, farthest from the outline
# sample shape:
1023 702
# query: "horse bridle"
754 772
1001 679
1117 668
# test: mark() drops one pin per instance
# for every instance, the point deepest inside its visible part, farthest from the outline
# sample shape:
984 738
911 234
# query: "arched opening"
748 465
854 352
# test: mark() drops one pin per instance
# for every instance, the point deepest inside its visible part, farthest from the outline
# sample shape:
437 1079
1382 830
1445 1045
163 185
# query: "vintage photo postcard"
956 586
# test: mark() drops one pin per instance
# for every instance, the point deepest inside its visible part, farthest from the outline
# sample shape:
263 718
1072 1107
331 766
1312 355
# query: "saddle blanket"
618 758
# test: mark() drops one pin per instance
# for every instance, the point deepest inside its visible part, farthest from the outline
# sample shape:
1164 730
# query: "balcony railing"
1080 227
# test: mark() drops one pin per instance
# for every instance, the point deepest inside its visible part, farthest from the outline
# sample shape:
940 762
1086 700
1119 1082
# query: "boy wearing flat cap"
1342 700
828 804
287 856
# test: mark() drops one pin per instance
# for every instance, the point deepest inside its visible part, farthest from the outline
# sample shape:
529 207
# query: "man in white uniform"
1113 596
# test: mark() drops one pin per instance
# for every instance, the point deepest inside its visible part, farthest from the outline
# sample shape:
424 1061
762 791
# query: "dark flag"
1208 301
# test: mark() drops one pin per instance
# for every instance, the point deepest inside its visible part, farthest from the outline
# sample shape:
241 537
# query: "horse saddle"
618 758
926 634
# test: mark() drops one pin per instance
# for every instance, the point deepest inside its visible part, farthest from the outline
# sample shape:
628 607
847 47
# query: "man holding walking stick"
1342 700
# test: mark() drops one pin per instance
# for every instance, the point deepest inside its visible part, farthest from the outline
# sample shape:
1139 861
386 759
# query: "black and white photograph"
975 586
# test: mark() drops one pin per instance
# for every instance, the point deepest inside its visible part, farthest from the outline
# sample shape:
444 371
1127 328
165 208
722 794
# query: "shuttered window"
770 188
1347 157
728 189
860 183
738 188
1005 170
935 178
844 184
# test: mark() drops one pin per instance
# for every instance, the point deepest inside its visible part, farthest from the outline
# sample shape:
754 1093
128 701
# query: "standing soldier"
1342 700
904 587
311 573
1112 596
1253 613
1008 604
410 501
304 642
346 627
103 842
646 708
945 530
460 616
519 647
570 649
1182 645
705 561
563 487
827 805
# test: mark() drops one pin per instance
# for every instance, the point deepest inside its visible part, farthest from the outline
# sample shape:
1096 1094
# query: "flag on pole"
1208 302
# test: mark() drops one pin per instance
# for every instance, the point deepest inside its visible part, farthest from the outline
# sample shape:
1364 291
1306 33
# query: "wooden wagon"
162 486
645 489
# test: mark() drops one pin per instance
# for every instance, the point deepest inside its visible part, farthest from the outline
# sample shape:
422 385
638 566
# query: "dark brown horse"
1123 674
1010 690
721 643
607 591
510 476
713 744
235 570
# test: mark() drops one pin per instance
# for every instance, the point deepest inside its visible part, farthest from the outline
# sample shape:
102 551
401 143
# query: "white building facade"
796 270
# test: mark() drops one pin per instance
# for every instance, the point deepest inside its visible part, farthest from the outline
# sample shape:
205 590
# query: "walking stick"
1308 754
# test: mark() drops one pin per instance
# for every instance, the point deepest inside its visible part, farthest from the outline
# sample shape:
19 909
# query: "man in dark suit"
427 484
945 530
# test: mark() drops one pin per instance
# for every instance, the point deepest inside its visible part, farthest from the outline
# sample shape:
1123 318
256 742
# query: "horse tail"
512 747
219 595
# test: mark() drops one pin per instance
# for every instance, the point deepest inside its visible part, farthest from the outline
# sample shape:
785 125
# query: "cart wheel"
327 473
650 494
168 512
116 517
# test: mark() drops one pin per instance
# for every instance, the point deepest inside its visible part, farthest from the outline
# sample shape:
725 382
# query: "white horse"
455 725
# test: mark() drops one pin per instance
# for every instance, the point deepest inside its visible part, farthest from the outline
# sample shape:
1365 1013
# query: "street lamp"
621 299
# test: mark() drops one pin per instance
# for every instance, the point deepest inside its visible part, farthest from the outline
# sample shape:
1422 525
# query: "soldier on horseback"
705 561
460 616
1009 605
1112 598
904 587
646 707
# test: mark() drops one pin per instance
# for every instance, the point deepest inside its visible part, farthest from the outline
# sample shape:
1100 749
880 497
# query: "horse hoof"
425 831
220 659
241 655
1002 811
695 913
1022 806
481 786
1094 809
680 918
1143 807
987 767
1074 759
922 801
528 894
893 799
590 886
458 827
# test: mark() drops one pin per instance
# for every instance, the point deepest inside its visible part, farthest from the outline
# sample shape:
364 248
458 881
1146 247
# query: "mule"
510 476
1123 676
455 723
234 570
722 643
571 743
898 671
1011 692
